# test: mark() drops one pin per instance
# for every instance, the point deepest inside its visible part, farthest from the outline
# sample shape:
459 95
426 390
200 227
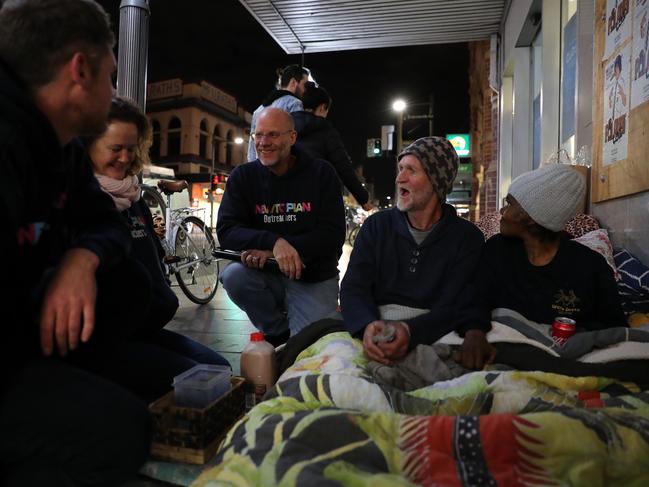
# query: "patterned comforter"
328 423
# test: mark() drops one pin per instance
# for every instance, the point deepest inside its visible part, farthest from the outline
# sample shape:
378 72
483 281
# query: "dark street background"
219 41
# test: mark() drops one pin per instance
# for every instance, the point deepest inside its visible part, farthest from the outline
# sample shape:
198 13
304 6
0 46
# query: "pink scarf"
124 192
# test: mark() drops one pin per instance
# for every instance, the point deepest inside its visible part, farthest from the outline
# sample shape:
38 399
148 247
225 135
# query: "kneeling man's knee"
234 278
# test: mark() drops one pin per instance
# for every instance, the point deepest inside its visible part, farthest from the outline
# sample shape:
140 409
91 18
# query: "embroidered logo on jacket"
137 226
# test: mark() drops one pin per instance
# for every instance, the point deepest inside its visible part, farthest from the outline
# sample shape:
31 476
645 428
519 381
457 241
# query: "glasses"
270 135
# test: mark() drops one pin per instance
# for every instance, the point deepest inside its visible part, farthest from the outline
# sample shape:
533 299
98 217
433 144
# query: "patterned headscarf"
440 161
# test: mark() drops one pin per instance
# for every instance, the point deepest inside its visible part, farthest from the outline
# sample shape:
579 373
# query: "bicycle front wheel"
197 272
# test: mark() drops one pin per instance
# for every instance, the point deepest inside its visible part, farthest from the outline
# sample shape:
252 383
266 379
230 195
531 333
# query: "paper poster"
640 67
616 107
618 25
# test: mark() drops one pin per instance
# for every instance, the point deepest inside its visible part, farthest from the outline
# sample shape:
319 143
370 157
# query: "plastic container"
259 367
201 385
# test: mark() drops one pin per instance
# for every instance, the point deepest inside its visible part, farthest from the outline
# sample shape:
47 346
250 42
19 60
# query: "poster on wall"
640 66
616 107
618 25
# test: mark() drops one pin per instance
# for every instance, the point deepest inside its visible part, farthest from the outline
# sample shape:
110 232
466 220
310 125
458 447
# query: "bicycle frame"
173 220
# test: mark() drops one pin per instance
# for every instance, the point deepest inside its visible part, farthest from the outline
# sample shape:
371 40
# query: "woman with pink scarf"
147 362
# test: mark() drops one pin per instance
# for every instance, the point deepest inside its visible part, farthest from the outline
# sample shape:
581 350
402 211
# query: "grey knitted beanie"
551 194
439 159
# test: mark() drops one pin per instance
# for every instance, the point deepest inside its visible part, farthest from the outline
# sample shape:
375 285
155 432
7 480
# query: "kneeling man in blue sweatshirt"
288 206
413 266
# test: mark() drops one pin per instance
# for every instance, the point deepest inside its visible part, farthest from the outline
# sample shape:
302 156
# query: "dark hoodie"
321 140
388 267
304 206
50 202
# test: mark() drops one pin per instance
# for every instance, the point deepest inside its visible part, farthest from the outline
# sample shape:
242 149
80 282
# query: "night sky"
219 41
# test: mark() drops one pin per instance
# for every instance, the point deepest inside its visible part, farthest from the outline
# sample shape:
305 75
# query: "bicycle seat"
170 187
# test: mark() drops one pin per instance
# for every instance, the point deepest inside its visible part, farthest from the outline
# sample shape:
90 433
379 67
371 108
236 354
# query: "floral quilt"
327 423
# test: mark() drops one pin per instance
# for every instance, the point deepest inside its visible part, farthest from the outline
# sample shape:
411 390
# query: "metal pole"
211 179
431 99
399 133
133 50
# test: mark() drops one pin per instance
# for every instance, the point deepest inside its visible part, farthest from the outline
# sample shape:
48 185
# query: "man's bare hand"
398 348
255 258
386 352
371 349
288 259
68 309
476 352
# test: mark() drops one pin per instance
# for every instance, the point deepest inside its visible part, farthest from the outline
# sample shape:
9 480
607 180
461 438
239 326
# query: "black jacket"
577 284
321 140
50 202
147 249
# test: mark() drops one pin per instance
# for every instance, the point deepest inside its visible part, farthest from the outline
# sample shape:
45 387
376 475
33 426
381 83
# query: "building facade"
570 85
199 131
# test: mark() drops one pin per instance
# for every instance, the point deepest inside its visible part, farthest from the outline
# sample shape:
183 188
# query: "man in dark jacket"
288 206
321 140
412 266
60 425
287 96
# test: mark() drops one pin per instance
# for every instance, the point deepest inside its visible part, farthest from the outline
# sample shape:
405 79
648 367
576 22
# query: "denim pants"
147 365
275 303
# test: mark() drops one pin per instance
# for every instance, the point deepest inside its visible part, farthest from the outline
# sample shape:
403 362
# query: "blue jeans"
147 365
275 303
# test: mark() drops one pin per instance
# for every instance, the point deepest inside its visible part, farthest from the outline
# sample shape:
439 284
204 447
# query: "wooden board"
631 175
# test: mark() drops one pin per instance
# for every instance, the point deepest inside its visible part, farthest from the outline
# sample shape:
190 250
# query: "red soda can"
562 329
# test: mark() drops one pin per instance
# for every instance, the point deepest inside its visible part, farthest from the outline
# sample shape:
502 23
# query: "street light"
238 140
399 106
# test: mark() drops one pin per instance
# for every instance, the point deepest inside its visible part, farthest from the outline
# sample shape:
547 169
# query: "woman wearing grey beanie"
532 267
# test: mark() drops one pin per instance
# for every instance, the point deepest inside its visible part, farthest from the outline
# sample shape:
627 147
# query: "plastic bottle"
258 367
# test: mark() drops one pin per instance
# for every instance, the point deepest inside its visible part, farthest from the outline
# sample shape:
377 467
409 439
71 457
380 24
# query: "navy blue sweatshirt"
304 206
388 267
50 202
147 249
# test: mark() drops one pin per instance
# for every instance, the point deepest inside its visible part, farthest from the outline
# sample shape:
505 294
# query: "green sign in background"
462 144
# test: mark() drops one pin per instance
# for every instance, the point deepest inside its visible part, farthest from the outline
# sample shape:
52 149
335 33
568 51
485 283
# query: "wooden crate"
192 435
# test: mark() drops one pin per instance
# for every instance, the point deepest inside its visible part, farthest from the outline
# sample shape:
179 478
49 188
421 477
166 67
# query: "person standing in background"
287 97
321 140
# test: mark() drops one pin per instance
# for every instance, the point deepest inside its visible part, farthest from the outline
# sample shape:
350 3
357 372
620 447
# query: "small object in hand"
386 335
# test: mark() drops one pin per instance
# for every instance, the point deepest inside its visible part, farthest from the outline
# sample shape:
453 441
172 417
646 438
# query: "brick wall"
484 128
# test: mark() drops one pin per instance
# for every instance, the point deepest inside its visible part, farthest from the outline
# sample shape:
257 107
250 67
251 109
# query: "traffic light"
214 182
377 147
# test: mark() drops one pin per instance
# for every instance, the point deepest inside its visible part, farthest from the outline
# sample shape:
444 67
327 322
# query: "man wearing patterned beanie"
412 266
532 267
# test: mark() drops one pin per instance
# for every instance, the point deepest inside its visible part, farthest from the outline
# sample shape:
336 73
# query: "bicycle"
354 217
188 243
